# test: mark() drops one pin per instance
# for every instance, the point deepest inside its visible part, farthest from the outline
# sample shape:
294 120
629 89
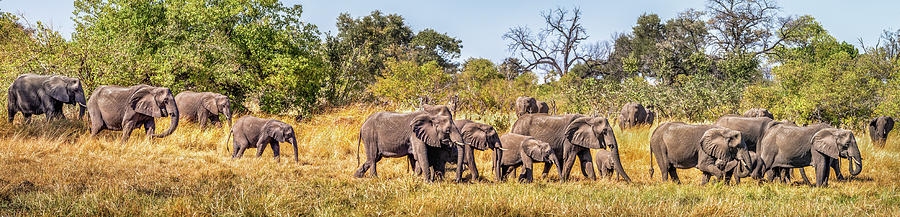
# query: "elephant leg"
567 166
704 179
26 117
470 157
260 147
10 108
804 177
674 175
240 152
836 165
459 162
546 170
126 130
202 117
421 154
276 150
587 164
150 128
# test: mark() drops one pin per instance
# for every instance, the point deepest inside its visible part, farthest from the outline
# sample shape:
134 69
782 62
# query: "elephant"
542 107
572 136
421 136
34 94
634 114
125 108
605 164
715 151
526 105
879 129
476 136
523 151
254 132
757 112
203 107
818 145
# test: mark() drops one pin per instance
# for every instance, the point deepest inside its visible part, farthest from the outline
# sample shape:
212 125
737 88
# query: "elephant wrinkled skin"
476 136
820 146
715 151
254 132
126 108
33 94
523 151
203 107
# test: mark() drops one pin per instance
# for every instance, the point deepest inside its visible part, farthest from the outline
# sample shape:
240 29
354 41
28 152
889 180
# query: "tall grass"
53 169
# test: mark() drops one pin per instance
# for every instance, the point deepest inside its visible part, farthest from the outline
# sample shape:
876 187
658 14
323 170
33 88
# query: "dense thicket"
702 63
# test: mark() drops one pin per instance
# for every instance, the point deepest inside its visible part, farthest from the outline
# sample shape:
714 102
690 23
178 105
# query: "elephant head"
526 105
218 104
540 151
728 148
282 132
156 102
67 90
759 113
595 133
879 128
836 144
435 131
480 136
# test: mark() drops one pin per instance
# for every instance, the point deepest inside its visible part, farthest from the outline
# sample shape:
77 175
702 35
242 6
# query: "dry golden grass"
57 169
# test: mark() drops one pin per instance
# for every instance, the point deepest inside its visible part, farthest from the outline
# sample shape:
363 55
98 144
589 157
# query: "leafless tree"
555 47
748 26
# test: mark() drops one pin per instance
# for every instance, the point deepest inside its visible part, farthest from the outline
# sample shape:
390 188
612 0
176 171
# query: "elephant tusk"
502 149
858 161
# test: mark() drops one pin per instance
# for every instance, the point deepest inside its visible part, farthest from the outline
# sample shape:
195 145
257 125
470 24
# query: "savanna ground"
57 169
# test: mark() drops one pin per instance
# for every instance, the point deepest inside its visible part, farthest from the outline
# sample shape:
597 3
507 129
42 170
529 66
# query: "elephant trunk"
746 161
455 135
610 140
294 143
855 158
555 161
172 110
498 154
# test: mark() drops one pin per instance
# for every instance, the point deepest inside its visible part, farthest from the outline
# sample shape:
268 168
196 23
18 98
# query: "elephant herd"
734 147
125 109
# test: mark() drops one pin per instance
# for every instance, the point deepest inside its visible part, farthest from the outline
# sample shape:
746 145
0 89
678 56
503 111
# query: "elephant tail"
651 161
227 140
358 141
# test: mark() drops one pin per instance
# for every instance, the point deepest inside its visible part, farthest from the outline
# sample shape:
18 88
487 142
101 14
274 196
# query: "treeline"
703 63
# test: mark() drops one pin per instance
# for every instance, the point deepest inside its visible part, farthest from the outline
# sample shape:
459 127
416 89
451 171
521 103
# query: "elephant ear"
424 129
209 103
888 125
57 89
143 101
475 136
825 143
716 144
532 148
580 133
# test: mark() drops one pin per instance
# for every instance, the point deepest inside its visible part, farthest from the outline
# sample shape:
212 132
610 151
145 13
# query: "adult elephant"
254 132
476 136
786 147
421 136
879 128
572 136
44 94
752 128
634 114
526 105
758 112
715 151
125 108
203 107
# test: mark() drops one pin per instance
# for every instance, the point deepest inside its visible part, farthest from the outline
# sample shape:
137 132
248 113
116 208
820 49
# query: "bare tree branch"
555 47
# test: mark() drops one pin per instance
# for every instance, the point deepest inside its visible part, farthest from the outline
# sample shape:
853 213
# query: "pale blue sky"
480 24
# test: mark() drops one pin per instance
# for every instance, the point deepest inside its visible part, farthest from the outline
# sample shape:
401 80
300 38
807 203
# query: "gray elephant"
44 94
476 136
715 151
786 147
879 128
203 107
605 163
422 136
254 132
572 136
523 151
542 107
757 112
634 114
126 108
526 105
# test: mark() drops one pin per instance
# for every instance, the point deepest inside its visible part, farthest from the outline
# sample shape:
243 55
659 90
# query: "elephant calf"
476 136
203 107
33 94
713 150
605 164
254 132
523 151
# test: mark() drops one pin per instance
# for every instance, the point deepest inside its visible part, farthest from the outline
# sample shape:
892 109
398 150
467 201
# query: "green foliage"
406 82
256 49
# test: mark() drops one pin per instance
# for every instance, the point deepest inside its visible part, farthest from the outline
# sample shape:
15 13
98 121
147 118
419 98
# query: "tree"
511 68
555 48
748 26
405 82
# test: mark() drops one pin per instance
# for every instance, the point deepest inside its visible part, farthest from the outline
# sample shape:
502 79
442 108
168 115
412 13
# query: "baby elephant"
254 132
605 163
523 151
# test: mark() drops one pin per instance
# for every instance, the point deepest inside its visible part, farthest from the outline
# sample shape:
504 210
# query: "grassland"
57 169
